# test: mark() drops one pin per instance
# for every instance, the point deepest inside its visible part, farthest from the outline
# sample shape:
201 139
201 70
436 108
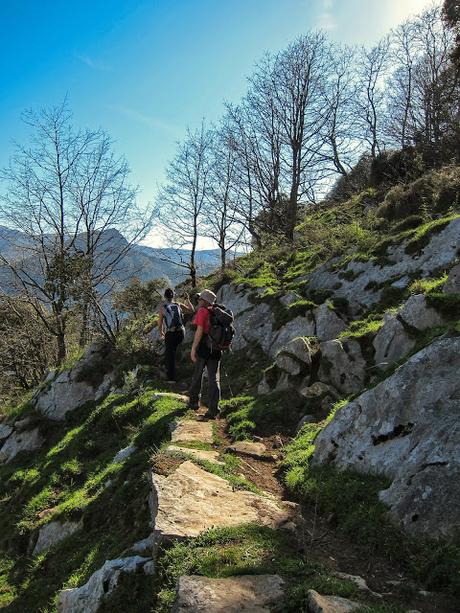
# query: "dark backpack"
173 316
221 330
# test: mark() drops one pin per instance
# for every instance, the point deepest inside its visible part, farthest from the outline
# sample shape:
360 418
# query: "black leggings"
172 341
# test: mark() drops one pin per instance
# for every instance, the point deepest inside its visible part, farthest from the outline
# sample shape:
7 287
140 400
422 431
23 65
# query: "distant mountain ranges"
141 261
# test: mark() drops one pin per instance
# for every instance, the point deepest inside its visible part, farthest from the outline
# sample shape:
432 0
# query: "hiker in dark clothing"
203 357
171 326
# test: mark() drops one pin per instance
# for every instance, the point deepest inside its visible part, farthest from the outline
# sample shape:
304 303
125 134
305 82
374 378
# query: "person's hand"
193 355
162 336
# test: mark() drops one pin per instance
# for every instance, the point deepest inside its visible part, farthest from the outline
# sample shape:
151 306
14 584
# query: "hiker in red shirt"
203 357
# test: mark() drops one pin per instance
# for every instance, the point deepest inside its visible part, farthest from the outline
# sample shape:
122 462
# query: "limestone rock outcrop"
366 280
342 365
407 428
88 597
26 440
452 285
54 532
89 380
391 342
416 313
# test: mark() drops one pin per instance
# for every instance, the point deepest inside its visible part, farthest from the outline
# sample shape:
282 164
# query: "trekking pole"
228 381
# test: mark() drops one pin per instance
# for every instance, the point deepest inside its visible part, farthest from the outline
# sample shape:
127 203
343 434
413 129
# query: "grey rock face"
295 357
407 428
418 314
328 324
88 597
123 454
235 300
5 431
71 388
298 327
252 593
254 325
452 285
391 342
53 533
342 365
440 253
28 440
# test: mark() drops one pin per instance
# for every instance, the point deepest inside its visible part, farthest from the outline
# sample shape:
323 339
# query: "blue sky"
145 69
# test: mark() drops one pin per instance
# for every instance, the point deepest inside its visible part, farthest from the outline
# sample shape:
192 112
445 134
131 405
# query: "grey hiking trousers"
212 365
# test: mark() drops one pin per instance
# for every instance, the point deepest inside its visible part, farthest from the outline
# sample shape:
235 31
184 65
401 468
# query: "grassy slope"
73 478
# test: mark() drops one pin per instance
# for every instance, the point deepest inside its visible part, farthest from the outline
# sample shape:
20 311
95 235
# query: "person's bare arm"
187 305
196 341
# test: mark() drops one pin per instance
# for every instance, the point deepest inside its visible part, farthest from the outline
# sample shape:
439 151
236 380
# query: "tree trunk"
61 348
84 326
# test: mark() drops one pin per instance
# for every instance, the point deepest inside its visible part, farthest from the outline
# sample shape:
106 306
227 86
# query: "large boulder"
88 597
328 324
88 381
452 285
296 356
295 328
342 365
5 431
254 325
391 342
416 313
26 440
407 428
252 593
234 298
54 532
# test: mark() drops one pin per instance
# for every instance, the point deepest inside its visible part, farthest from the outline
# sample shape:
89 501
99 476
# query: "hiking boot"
193 406
207 415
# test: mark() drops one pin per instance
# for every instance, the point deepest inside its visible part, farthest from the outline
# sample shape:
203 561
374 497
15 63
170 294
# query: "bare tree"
341 123
371 98
104 201
417 87
221 209
63 192
297 81
181 200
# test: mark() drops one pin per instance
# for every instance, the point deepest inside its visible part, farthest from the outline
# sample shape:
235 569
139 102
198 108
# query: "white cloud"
148 120
326 19
399 10
92 63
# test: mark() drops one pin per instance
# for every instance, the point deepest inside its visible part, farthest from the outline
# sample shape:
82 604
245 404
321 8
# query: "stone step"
249 593
191 500
258 451
330 604
189 431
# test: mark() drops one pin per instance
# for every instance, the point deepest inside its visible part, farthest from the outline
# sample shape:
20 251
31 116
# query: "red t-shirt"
202 319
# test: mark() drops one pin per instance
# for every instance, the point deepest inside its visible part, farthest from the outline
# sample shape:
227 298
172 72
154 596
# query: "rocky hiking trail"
191 494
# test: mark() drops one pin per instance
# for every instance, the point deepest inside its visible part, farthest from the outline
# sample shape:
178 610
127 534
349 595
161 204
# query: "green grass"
351 500
421 236
426 286
73 478
363 327
244 550
249 415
